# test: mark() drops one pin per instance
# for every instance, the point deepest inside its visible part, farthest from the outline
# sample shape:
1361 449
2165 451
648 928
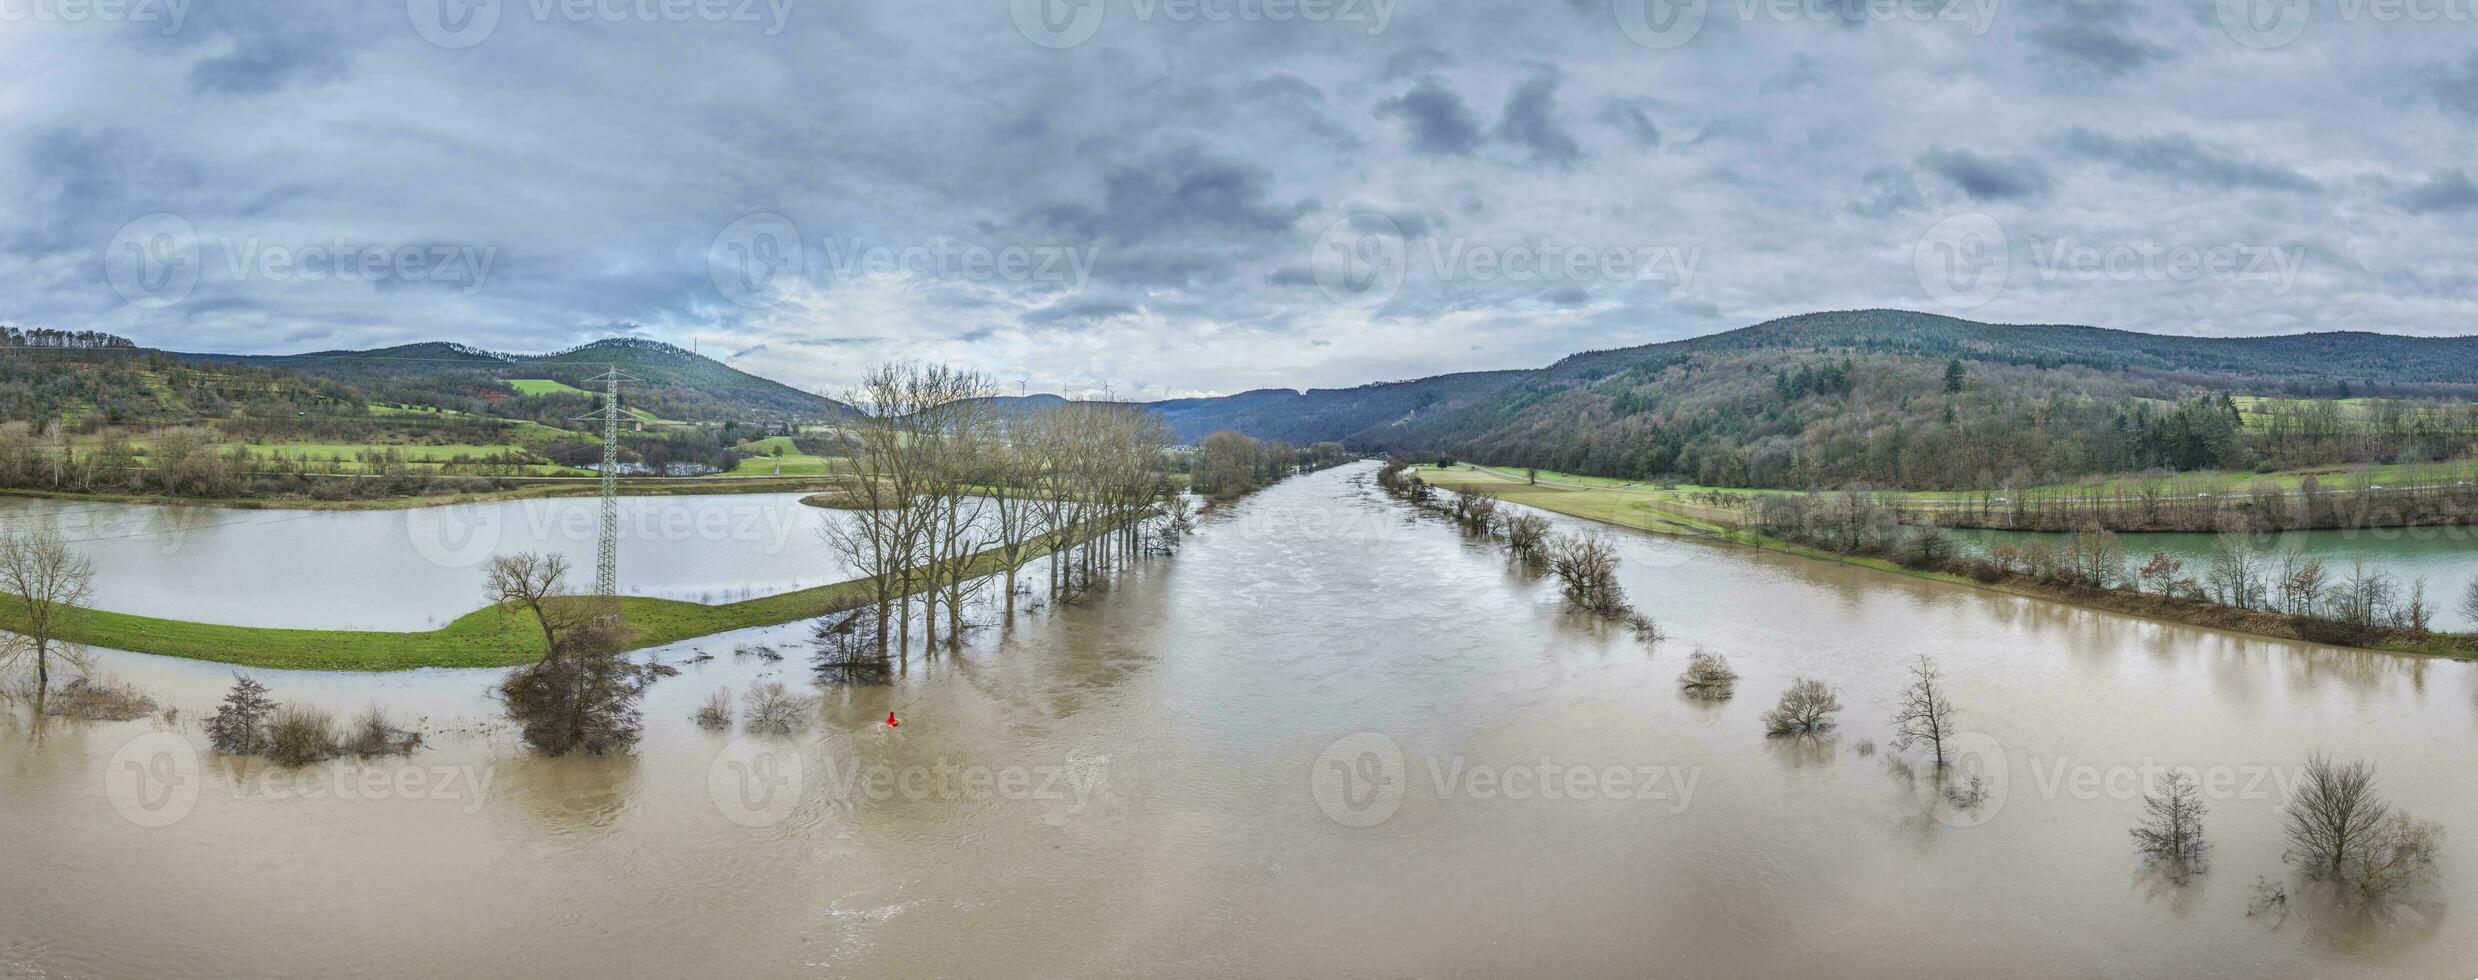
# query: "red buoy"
890 720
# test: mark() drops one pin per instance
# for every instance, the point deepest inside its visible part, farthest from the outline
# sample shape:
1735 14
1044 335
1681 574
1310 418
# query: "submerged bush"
98 701
299 734
773 709
1805 709
715 713
582 698
373 734
1708 676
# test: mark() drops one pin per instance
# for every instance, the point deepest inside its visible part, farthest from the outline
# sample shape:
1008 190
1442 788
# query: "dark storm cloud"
1439 122
2180 160
2097 37
1987 178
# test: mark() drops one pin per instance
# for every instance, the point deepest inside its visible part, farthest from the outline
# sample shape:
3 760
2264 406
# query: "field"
537 387
2213 482
793 461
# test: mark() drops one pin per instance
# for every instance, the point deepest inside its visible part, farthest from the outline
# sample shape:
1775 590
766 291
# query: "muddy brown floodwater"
1331 738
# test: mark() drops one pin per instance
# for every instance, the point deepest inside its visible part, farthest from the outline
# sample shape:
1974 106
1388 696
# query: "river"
1330 738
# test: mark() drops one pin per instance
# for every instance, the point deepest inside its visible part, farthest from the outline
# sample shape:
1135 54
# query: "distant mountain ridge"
670 381
1861 396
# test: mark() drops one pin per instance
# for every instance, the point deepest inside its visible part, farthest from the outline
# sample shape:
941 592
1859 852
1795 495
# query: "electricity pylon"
606 550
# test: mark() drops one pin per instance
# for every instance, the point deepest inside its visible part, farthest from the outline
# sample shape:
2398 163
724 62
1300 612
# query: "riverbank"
1660 515
578 487
487 637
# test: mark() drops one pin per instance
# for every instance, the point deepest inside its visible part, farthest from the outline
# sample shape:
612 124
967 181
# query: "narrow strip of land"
487 637
1662 513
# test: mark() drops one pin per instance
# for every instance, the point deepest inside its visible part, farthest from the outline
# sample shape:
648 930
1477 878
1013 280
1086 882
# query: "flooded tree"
47 585
584 699
1708 676
714 714
2341 831
239 726
1526 535
1925 715
1805 709
2171 832
772 709
1586 566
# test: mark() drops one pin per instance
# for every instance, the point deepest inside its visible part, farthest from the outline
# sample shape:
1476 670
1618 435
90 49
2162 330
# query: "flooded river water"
1330 738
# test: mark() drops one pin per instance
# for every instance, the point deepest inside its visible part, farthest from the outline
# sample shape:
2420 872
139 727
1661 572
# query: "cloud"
1987 178
2180 160
2455 89
2448 190
1441 125
1530 121
2095 37
1632 118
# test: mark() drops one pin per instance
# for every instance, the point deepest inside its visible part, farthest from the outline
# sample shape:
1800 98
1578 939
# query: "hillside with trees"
1890 398
1366 413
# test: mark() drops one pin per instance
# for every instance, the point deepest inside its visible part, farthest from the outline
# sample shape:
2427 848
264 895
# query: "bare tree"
1925 715
2171 832
2340 830
47 586
1708 675
1586 565
1805 709
1526 535
537 583
2469 605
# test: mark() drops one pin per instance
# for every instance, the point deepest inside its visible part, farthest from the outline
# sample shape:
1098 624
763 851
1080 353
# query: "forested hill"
670 382
1367 413
1893 398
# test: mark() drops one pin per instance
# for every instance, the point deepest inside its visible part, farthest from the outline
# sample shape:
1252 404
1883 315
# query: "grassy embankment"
487 637
1667 513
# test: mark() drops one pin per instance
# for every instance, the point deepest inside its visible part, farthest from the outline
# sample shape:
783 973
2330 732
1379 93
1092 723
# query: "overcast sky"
1169 197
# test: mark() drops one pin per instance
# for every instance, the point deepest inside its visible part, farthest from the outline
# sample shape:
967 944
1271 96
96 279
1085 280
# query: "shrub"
715 713
1805 709
373 734
98 701
772 709
299 734
583 700
1708 676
